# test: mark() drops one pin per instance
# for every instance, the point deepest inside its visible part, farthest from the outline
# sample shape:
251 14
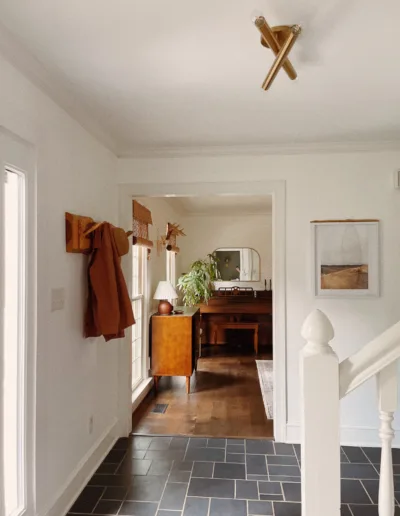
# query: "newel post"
387 395
320 432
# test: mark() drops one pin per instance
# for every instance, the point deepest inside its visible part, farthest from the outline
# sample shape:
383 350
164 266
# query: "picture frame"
345 258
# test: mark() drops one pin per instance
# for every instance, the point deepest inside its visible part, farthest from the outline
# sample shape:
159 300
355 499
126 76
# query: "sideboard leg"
188 385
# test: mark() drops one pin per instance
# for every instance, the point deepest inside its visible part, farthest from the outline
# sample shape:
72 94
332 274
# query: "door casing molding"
20 155
278 191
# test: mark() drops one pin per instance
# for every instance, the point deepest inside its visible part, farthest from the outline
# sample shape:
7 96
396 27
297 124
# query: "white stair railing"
323 383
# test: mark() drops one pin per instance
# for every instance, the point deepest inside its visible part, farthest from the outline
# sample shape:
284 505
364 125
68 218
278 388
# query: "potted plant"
197 284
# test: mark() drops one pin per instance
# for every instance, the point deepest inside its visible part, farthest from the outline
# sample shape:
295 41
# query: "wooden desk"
237 309
175 341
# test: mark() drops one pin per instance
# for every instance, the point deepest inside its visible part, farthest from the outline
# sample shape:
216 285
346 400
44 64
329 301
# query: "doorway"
276 189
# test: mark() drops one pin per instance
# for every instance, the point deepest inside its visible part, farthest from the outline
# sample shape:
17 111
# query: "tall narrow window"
139 344
14 348
171 267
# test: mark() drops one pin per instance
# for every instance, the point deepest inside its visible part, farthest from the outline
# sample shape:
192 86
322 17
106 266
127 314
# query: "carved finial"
318 331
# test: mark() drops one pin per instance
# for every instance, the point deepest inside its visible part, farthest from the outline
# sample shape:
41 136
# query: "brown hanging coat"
109 307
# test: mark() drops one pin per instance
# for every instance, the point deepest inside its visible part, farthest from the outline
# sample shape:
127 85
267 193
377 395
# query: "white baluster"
320 434
387 392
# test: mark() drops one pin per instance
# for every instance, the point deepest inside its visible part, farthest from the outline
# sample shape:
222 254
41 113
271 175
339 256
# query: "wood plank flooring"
225 401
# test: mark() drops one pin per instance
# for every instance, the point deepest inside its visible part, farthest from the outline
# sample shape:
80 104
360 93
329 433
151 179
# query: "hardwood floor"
225 401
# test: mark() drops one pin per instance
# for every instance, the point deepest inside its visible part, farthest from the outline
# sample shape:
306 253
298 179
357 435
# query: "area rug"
266 375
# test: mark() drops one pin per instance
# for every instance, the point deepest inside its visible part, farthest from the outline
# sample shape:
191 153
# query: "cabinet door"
172 346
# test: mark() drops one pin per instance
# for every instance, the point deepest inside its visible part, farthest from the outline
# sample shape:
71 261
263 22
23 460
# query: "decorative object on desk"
173 231
165 291
197 284
236 291
345 258
141 218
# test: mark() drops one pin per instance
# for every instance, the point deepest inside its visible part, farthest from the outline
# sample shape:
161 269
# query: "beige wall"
76 379
205 234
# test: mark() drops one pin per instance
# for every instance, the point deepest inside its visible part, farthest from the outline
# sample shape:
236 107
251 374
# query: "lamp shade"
165 290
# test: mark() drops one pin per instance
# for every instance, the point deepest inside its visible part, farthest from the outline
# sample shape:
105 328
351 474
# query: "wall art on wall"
345 258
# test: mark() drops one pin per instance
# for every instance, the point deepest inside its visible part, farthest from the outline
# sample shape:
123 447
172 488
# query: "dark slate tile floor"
179 476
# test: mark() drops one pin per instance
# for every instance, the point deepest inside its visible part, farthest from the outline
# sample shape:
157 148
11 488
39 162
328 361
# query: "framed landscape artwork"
345 258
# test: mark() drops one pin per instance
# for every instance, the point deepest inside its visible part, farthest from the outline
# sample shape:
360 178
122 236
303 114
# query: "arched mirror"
238 264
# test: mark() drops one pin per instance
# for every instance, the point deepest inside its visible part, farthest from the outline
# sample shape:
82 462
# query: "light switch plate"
57 299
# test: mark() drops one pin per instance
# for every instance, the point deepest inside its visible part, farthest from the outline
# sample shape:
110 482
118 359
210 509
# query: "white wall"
205 234
162 213
76 378
319 186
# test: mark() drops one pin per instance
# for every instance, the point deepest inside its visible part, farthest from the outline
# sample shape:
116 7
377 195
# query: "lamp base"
165 307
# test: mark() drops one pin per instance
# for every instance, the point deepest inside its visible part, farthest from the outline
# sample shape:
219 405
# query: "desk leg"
256 341
188 385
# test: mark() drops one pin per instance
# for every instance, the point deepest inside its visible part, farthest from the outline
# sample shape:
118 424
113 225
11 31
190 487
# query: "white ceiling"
150 73
217 205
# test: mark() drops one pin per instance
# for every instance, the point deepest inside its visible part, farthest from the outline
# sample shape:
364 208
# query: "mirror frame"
238 249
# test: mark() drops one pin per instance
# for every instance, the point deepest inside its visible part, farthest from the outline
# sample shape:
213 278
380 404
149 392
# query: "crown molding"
61 91
228 213
58 89
261 150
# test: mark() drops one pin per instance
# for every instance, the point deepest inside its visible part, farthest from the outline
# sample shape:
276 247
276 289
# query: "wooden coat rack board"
78 230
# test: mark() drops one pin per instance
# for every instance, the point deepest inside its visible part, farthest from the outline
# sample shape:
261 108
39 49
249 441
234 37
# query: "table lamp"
165 291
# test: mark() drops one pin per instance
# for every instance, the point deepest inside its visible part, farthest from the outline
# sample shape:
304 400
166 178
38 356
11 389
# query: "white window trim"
171 271
19 156
143 382
21 344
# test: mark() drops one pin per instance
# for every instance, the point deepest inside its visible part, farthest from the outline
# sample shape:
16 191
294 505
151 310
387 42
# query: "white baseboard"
141 392
78 479
349 436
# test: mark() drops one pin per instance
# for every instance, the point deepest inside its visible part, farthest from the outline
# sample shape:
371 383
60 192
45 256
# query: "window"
139 330
171 271
14 343
171 267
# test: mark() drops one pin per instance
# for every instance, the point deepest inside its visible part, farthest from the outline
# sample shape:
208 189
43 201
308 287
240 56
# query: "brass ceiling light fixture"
280 40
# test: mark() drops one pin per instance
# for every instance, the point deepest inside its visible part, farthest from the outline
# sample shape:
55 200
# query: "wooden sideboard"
174 344
239 307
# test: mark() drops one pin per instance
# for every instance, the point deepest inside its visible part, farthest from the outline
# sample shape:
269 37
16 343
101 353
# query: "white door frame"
20 155
278 191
